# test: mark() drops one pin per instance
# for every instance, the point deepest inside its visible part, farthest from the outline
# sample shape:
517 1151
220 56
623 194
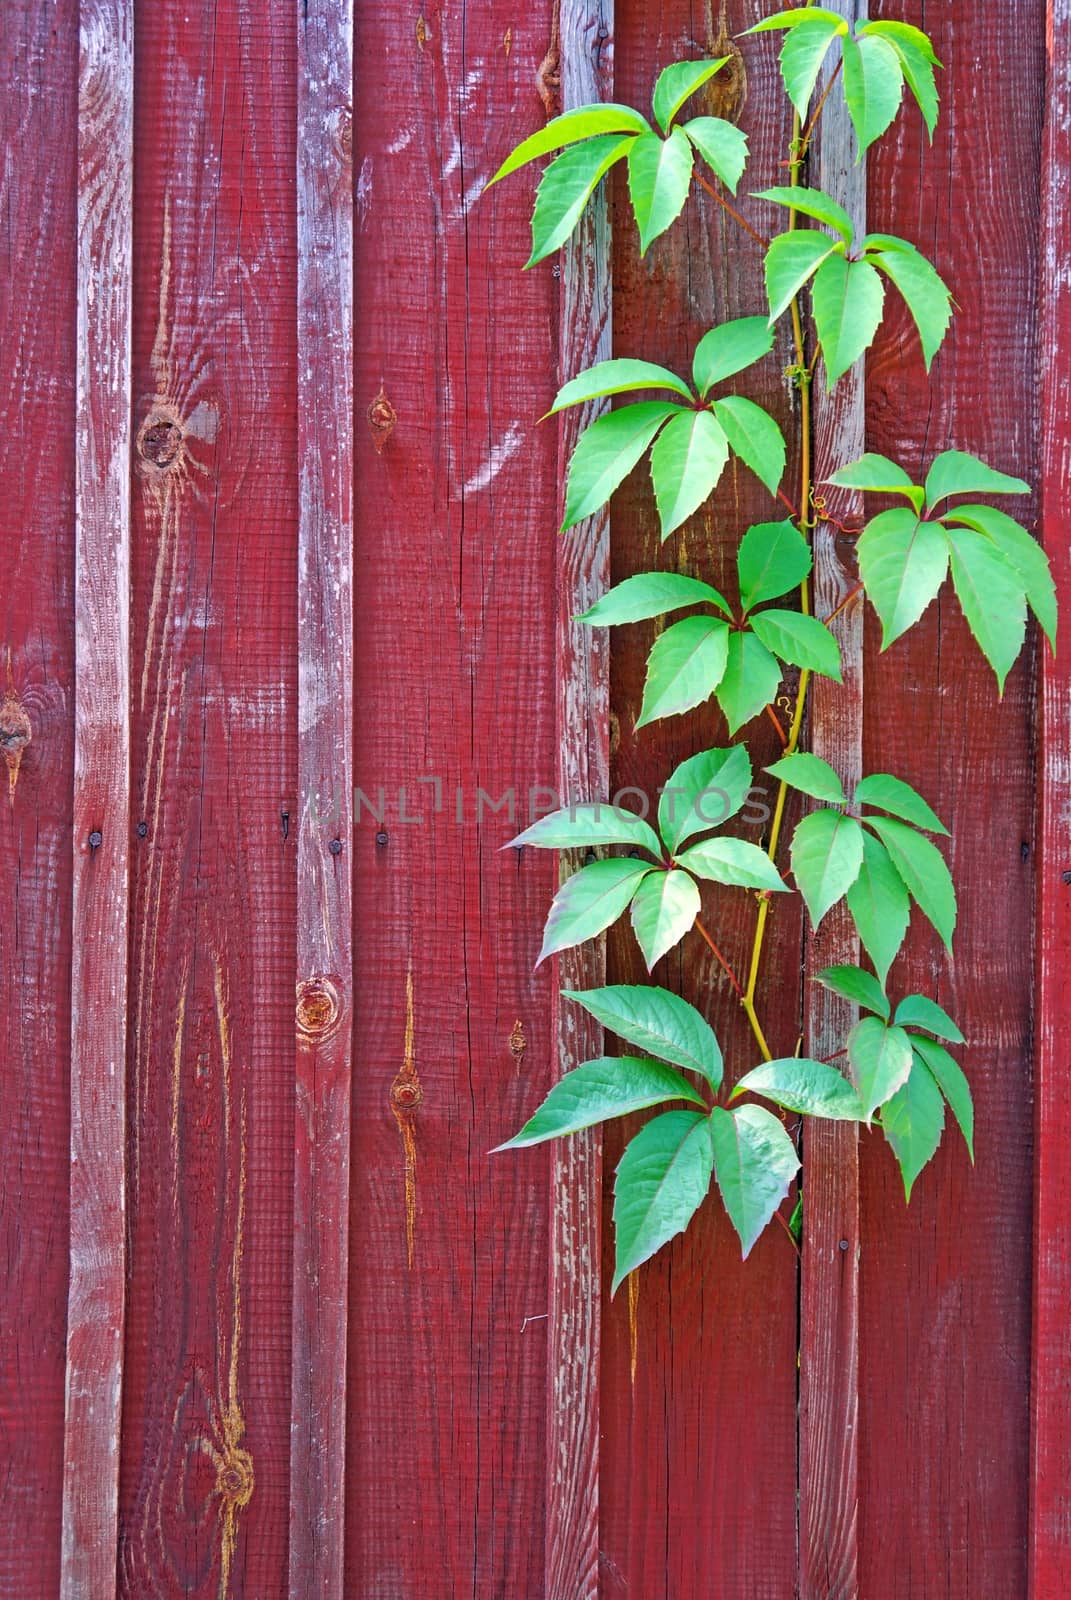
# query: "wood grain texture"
572 1496
456 560
1050 1455
325 787
38 214
213 671
945 1284
101 841
829 1281
698 1404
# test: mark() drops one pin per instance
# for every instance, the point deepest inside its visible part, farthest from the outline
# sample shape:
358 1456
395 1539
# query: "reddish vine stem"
763 244
726 968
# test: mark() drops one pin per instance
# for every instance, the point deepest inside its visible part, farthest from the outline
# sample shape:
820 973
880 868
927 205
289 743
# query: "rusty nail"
382 838
95 838
142 829
335 847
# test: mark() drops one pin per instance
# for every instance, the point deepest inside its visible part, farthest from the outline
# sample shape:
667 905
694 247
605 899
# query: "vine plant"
872 849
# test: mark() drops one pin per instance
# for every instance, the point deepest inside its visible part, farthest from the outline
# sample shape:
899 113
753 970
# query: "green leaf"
750 681
912 1122
881 1060
810 775
659 173
858 986
728 349
952 1083
613 1086
732 861
1022 552
579 124
827 853
650 594
923 870
917 62
792 19
892 794
803 641
565 189
879 906
812 203
990 592
687 460
678 83
591 823
813 1088
615 377
755 1162
606 453
722 146
902 563
879 475
847 297
773 558
917 1011
791 259
873 87
589 901
956 472
802 52
755 437
660 1023
661 1181
902 34
703 793
685 666
924 293
663 911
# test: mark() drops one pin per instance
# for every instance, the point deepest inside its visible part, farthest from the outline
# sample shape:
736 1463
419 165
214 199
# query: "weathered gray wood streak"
325 787
572 1537
101 802
829 1307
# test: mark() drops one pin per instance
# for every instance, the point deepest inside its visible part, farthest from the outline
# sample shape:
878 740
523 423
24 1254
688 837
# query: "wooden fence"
279 576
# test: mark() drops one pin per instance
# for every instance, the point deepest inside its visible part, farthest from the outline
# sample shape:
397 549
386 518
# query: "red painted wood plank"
101 839
829 1274
945 1284
38 206
698 1404
1050 1474
575 1244
325 786
456 555
206 1423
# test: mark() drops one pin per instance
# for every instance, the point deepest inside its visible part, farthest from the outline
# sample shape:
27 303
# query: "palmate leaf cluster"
875 848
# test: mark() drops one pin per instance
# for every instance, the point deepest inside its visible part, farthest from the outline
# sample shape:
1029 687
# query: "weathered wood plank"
945 1283
829 1286
206 1424
38 209
456 556
697 1489
325 786
572 1539
101 842
1050 1503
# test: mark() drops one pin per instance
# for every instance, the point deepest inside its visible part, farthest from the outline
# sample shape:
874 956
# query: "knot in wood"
406 1094
518 1044
234 1477
342 132
318 1008
15 734
381 419
160 440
